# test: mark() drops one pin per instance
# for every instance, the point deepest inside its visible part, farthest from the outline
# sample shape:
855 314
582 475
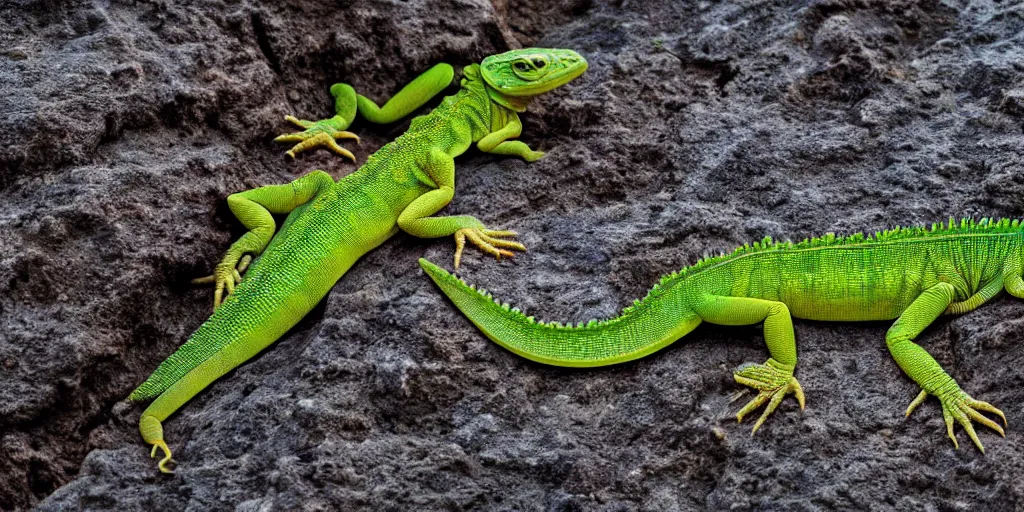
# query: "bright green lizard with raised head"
330 225
912 275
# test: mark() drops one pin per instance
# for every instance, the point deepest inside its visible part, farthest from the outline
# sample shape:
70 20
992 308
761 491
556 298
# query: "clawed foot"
317 134
226 276
488 240
961 407
774 380
167 456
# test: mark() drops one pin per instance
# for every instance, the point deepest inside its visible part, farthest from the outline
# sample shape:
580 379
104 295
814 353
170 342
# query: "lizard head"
531 71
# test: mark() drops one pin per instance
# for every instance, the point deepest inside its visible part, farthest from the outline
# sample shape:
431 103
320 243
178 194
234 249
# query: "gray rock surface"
699 126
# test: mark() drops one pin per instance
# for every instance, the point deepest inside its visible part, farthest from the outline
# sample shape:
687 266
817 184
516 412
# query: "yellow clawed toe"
227 276
321 139
774 381
963 409
301 123
487 240
318 134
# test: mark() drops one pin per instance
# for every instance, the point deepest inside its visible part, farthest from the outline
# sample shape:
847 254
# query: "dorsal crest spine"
954 226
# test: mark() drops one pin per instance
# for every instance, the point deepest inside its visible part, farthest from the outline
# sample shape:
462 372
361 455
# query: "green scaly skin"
912 275
330 225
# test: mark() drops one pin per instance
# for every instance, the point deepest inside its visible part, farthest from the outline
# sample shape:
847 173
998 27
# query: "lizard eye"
539 63
521 66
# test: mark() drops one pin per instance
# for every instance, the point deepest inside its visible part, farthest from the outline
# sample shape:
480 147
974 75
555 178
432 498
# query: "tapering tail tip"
501 323
448 283
594 343
468 298
435 272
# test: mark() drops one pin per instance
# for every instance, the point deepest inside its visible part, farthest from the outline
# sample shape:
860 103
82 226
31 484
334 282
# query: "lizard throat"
517 104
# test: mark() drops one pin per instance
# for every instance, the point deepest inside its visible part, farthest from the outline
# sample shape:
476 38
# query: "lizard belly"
846 299
831 285
842 310
835 300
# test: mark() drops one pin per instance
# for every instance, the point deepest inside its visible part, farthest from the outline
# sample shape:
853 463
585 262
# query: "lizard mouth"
574 64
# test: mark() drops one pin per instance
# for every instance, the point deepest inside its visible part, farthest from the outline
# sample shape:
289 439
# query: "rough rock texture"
699 126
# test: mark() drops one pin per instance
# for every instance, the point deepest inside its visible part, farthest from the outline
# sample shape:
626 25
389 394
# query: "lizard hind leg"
917 363
254 208
774 378
153 433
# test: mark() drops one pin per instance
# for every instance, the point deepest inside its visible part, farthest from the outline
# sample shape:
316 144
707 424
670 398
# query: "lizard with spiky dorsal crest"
910 274
331 225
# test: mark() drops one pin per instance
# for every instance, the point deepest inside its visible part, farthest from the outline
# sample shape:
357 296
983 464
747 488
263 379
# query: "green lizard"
912 275
330 225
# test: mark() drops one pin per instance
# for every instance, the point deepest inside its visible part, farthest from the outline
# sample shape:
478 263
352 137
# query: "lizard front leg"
927 373
346 103
774 379
417 221
498 143
254 208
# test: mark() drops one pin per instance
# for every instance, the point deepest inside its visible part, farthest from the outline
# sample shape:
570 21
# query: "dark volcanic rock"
699 126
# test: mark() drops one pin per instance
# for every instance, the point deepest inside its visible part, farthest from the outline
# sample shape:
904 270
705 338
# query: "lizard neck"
517 104
514 103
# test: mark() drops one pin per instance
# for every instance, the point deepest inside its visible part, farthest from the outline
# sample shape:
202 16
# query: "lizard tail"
181 391
203 344
221 335
644 328
213 350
